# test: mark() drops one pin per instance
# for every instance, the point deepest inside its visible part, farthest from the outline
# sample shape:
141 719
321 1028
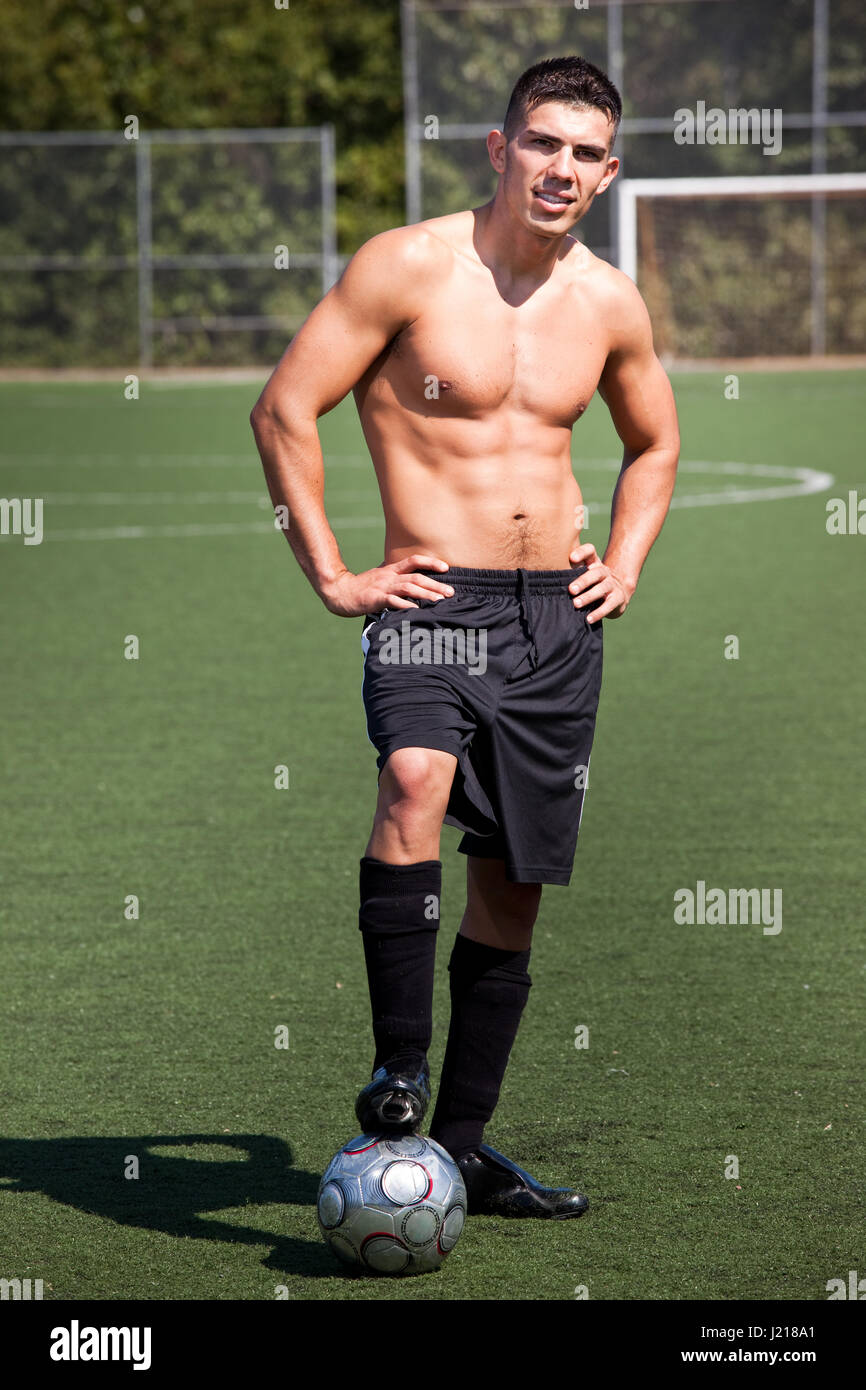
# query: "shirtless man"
473 343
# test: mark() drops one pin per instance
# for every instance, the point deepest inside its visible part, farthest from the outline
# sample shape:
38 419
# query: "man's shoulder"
603 278
418 245
393 275
615 298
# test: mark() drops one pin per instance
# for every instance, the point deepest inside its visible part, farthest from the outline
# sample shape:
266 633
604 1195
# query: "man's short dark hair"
572 81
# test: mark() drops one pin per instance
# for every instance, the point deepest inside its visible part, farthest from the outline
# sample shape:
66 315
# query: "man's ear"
612 169
496 143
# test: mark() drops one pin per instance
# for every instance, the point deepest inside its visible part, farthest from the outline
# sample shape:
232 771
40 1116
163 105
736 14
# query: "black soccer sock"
399 919
489 990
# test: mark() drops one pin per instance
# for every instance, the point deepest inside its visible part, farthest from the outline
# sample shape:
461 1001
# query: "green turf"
155 777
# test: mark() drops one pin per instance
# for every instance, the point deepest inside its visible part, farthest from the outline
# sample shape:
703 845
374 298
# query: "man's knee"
417 777
413 797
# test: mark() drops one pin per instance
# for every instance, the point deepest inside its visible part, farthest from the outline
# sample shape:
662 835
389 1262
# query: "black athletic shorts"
505 674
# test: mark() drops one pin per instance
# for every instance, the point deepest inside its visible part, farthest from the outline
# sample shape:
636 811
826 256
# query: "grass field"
154 777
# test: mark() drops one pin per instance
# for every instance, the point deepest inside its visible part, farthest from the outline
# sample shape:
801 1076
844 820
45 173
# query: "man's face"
554 164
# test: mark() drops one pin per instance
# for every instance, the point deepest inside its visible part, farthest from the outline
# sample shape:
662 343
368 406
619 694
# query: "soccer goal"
748 267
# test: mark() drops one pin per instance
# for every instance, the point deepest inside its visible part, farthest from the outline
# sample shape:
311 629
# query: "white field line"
802 482
153 499
793 482
173 461
191 530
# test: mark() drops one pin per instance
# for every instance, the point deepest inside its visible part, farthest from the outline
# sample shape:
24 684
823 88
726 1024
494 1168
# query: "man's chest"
473 357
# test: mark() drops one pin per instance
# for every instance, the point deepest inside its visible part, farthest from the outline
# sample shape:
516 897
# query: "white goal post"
655 256
773 185
748 266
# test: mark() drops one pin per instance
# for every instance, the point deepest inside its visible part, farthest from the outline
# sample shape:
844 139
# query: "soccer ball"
392 1204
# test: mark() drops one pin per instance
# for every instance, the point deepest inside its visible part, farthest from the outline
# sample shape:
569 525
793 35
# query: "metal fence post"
330 264
614 72
410 110
144 221
819 166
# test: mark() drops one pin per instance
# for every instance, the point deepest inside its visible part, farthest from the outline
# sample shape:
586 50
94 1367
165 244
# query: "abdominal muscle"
506 507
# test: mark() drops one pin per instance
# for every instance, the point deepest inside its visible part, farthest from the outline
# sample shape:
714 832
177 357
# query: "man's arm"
378 293
637 392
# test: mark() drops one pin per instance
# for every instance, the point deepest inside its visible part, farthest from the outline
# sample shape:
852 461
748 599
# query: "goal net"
749 267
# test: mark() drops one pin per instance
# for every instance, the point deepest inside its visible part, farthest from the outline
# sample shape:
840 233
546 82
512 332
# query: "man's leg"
490 985
400 888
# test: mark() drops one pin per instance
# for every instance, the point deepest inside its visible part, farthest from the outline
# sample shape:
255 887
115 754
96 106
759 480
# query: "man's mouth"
556 202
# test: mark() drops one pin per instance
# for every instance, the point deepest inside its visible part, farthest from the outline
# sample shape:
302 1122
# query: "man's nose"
561 164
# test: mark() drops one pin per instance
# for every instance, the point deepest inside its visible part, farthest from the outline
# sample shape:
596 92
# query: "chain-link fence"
171 248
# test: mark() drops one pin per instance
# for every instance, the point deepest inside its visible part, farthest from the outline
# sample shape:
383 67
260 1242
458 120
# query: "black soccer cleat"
394 1101
497 1187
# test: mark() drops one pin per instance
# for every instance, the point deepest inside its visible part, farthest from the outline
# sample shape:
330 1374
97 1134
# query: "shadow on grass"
172 1190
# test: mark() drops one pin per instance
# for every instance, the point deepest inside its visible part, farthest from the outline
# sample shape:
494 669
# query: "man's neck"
517 258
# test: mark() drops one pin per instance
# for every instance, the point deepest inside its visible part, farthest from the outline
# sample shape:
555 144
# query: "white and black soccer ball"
393 1204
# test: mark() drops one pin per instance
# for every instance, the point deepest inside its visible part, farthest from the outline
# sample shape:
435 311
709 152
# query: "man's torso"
469 409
